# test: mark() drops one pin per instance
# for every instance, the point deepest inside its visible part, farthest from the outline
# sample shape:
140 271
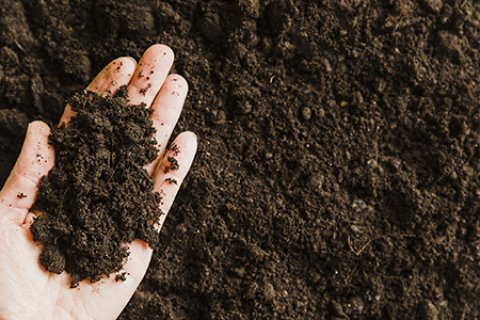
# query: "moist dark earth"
98 196
337 172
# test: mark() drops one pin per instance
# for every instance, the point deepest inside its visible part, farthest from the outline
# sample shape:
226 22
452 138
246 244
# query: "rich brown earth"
98 196
337 174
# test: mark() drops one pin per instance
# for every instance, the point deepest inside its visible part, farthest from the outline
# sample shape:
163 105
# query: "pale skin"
27 290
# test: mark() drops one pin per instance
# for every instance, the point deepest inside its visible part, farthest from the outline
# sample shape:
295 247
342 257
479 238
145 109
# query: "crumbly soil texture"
98 197
337 172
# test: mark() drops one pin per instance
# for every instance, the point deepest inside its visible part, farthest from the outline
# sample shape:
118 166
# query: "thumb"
35 160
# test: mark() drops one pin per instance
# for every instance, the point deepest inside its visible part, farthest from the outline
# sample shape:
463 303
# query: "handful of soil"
98 196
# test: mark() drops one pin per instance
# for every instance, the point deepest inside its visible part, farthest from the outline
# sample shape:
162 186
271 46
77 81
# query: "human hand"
27 290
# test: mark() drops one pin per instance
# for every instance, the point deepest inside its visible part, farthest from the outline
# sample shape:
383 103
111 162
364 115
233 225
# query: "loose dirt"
337 173
98 196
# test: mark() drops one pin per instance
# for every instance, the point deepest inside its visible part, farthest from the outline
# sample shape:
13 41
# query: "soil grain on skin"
337 171
98 196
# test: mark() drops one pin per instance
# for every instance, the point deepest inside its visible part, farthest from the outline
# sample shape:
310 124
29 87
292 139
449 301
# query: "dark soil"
337 173
98 196
13 125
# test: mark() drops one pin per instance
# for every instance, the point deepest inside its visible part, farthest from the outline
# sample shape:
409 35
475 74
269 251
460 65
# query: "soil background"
337 173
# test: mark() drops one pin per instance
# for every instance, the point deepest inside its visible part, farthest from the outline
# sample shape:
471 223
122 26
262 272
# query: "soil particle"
316 182
250 8
280 15
98 196
218 117
171 181
172 166
306 113
144 91
428 311
209 23
451 46
433 5
122 276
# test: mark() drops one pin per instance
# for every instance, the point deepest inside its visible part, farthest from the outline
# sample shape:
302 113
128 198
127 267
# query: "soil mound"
98 196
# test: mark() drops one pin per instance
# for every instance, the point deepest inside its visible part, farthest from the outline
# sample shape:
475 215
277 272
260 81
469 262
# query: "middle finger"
152 69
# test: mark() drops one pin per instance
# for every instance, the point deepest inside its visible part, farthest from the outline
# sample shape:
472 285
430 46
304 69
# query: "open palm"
27 290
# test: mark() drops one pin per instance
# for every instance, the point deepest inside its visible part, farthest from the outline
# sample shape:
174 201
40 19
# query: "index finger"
108 81
150 74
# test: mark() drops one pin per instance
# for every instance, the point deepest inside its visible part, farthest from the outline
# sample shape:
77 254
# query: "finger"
35 160
167 107
150 74
116 74
173 168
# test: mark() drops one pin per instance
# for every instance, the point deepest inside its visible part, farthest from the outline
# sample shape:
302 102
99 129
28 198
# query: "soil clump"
98 196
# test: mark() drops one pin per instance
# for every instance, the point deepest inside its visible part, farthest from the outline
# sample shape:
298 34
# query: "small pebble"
306 113
357 304
321 113
246 107
219 117
316 181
